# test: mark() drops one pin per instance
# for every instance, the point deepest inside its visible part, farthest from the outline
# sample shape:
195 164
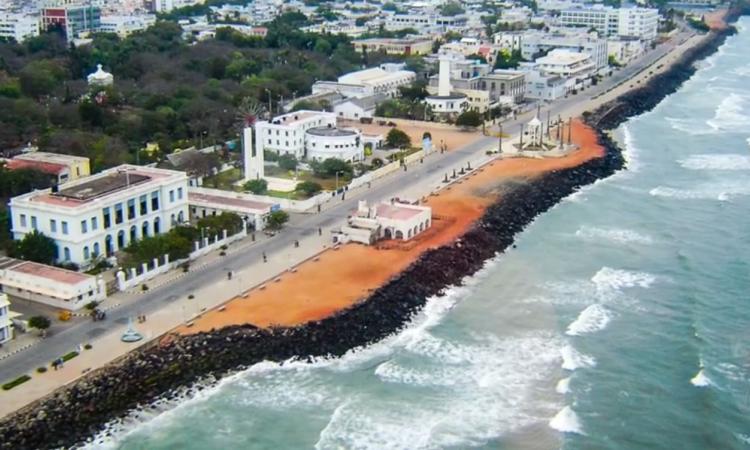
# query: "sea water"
620 321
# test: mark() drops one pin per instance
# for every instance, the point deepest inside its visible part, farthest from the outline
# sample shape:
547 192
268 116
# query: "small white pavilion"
100 78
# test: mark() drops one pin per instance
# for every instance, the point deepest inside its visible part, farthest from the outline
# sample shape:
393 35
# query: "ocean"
620 321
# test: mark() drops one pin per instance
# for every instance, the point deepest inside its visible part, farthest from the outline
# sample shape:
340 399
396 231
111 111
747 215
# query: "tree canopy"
469 118
397 138
258 187
37 247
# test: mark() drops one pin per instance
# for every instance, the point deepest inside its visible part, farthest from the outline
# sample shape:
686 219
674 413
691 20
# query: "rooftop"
297 116
42 166
51 157
237 202
396 211
331 131
103 185
43 271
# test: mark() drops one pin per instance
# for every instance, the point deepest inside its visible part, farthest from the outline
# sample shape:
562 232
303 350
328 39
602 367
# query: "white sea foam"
631 151
608 278
563 386
491 380
592 319
616 235
730 114
700 379
573 359
566 421
717 162
724 190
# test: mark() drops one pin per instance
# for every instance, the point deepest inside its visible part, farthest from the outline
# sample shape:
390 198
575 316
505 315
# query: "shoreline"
77 411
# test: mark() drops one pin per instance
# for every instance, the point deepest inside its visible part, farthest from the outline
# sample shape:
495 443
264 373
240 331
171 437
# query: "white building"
6 325
18 26
385 80
394 220
100 77
641 23
557 74
532 43
285 134
49 285
103 213
425 22
542 86
210 202
322 143
357 108
125 25
446 102
624 50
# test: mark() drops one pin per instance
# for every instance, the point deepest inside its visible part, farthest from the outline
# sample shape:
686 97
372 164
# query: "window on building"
118 214
64 227
171 196
53 225
155 201
179 193
96 249
86 252
33 222
66 253
131 209
84 227
94 223
107 220
23 220
144 204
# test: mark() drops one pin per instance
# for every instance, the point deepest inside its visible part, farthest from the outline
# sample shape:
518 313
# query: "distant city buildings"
124 25
101 214
18 26
385 80
425 23
73 19
641 23
392 46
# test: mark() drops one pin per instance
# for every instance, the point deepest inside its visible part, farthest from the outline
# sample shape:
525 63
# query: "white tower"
444 77
252 158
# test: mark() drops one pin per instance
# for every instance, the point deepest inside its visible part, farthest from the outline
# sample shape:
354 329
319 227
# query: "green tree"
258 187
37 247
309 188
277 219
469 119
288 162
215 225
451 9
41 323
397 139
330 167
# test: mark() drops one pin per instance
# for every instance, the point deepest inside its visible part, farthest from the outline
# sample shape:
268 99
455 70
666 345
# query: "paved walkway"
167 303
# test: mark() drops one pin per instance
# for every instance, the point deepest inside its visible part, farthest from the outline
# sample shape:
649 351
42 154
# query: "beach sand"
339 278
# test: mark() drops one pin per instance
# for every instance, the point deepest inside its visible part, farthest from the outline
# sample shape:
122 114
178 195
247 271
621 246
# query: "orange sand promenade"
340 278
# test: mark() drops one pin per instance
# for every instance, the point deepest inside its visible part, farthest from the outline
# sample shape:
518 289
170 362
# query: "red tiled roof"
46 167
50 272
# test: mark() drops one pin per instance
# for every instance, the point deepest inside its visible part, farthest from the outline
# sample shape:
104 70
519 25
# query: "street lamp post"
337 179
270 103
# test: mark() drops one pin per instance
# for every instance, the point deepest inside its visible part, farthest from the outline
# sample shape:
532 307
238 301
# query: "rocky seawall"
78 411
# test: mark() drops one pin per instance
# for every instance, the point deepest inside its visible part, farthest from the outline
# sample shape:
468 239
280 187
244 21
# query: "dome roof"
100 76
535 122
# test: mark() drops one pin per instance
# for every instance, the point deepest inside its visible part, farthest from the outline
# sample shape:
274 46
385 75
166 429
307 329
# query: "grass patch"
69 356
224 180
20 380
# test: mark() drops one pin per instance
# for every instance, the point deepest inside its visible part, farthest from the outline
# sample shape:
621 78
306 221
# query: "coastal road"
419 177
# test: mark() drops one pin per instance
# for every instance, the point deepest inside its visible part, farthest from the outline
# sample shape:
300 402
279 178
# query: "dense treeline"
167 89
